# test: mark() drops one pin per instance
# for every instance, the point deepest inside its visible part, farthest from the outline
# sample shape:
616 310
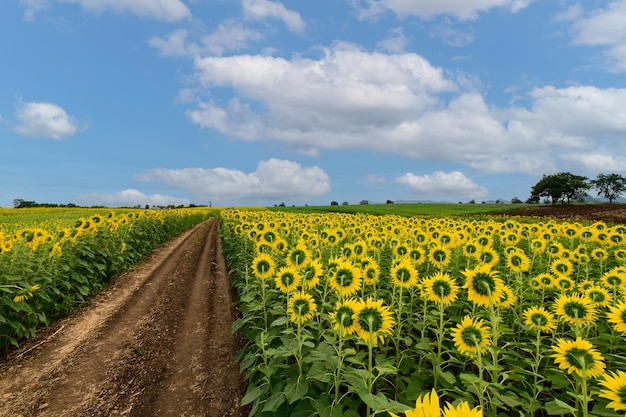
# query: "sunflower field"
51 259
359 315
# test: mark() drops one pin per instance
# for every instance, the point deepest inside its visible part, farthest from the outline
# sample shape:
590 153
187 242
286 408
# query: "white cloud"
230 35
44 120
594 162
426 9
273 180
131 198
450 35
399 103
263 9
167 10
31 7
175 44
605 28
395 42
451 186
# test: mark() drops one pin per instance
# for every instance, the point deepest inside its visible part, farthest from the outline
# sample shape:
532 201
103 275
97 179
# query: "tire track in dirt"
157 342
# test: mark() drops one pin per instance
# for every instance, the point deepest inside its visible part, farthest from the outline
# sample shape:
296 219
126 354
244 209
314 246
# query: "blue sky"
258 102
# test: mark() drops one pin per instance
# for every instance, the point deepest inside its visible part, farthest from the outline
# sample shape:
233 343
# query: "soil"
155 342
614 213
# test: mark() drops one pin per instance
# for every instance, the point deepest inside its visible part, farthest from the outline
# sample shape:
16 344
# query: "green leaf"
254 393
447 376
559 408
281 321
318 372
275 401
297 391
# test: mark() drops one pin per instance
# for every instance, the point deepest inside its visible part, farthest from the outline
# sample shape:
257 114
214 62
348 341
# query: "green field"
416 209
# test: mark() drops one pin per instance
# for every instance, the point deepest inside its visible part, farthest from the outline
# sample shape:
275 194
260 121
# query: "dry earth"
155 342
609 213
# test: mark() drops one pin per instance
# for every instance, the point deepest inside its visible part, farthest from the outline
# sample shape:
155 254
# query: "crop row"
51 260
352 315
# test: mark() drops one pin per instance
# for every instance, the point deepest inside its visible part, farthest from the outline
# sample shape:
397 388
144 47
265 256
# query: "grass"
417 209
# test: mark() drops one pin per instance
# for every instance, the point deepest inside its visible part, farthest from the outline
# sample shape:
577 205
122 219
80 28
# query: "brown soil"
608 213
155 342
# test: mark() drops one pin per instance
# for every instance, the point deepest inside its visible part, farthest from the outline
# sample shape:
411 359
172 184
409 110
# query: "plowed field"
609 213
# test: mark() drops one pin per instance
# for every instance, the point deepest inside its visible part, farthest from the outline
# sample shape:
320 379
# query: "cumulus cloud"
451 186
395 41
426 9
131 198
44 120
264 9
605 28
273 180
167 10
230 35
398 103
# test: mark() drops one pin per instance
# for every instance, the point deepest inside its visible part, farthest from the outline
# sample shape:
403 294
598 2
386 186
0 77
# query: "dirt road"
156 342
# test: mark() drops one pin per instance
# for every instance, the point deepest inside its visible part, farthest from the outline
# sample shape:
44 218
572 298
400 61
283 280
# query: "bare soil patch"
155 342
608 213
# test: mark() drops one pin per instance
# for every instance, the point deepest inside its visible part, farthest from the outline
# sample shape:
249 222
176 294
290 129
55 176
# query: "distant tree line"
567 187
20 203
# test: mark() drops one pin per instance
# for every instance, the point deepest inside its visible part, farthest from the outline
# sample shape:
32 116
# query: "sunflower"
614 384
538 245
617 316
370 270
599 254
403 274
564 283
344 316
484 286
547 280
417 255
346 278
299 256
471 336
462 410
614 278
575 309
373 321
578 356
263 266
599 296
26 293
426 405
440 288
439 256
287 279
489 257
311 273
280 244
539 319
301 307
471 249
508 298
562 267
517 261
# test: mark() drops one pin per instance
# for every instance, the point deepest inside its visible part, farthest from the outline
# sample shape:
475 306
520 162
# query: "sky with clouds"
258 102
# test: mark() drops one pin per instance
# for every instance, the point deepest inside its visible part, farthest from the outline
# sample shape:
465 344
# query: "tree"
609 186
334 203
563 186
